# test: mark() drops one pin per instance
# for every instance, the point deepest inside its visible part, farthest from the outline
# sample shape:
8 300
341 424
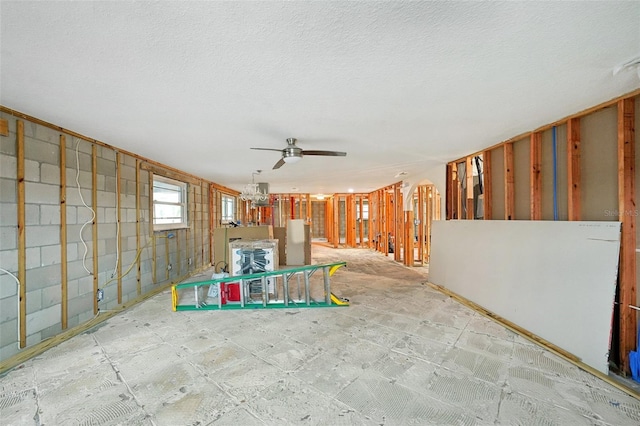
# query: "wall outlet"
189 261
169 267
100 295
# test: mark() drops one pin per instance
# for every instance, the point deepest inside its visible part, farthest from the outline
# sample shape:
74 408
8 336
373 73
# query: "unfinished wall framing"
77 222
582 167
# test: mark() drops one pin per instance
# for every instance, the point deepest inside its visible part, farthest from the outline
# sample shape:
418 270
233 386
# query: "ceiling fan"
292 153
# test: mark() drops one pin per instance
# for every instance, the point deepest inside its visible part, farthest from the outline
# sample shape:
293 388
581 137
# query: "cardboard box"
222 237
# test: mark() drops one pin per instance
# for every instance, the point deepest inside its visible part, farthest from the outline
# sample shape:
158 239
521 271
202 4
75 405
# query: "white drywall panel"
554 279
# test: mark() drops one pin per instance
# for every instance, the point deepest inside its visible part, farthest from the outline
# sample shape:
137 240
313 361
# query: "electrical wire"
18 290
93 213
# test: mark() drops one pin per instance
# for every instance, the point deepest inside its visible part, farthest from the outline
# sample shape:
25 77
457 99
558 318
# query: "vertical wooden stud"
487 185
22 240
469 185
535 175
64 302
138 231
336 221
154 274
361 207
627 215
573 168
119 223
399 224
509 182
449 192
94 227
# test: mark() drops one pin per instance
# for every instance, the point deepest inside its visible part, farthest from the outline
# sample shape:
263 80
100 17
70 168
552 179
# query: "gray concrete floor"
402 353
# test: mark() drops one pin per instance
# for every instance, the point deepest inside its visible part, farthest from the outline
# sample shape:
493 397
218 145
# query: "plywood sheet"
554 279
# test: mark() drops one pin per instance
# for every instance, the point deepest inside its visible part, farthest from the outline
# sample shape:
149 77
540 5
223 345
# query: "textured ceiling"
399 86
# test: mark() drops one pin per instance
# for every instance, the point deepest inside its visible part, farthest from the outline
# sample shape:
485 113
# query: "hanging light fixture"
251 191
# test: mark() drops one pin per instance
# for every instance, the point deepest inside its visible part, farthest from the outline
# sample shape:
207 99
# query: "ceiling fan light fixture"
291 159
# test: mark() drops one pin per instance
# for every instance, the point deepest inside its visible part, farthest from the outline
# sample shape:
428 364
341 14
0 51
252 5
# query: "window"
169 203
228 209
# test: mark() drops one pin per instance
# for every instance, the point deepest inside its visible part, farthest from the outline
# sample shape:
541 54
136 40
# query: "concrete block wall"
125 248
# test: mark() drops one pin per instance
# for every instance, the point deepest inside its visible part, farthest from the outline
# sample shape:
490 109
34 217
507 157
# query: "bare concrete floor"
401 354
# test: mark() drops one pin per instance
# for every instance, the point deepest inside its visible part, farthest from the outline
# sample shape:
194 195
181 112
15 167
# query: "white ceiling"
399 86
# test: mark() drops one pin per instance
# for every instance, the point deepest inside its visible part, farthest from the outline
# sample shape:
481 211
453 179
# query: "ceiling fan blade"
279 164
268 149
319 152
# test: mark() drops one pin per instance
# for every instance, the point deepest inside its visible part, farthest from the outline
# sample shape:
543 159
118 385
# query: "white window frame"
182 189
225 217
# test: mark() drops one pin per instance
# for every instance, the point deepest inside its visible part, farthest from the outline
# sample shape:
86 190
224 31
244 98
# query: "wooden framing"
487 187
573 168
398 223
94 227
118 224
627 215
409 234
449 195
336 221
4 127
535 175
469 188
22 238
154 248
64 298
138 230
509 183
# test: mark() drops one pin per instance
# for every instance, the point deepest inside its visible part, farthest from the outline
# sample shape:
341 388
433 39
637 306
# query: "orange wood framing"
469 187
22 241
509 187
535 175
573 168
627 215
64 301
487 186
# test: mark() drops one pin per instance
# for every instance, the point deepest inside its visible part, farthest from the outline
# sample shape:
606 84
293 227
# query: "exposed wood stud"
138 231
336 221
409 237
487 185
118 224
535 175
64 301
22 241
94 227
627 215
573 168
154 254
469 187
4 127
449 192
399 224
509 187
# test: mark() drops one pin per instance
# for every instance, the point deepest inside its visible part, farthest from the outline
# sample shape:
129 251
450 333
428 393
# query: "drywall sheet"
554 279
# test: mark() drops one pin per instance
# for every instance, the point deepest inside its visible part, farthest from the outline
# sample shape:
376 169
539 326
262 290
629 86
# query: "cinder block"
76 269
9 259
106 199
85 285
9 333
106 153
8 285
109 215
51 296
52 331
130 215
128 201
32 255
128 160
8 239
131 187
72 215
40 193
40 151
9 350
50 174
8 144
72 288
106 167
46 276
84 157
127 172
8 190
31 215
9 215
33 339
127 228
110 184
72 252
50 215
101 183
42 319
50 255
34 301
8 308
8 168
38 236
